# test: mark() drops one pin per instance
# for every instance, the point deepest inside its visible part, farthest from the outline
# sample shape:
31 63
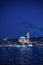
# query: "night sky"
21 16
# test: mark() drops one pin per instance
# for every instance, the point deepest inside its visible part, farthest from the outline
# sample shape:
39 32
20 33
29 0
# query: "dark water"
21 55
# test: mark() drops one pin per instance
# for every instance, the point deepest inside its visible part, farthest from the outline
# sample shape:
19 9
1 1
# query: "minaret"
28 37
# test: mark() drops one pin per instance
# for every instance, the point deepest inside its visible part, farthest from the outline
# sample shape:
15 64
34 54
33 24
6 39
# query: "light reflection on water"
23 45
22 55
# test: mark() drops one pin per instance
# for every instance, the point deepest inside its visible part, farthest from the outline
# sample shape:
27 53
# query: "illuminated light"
17 46
20 46
22 37
10 45
4 39
23 46
30 45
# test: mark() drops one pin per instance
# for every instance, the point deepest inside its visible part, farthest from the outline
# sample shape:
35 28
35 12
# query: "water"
25 55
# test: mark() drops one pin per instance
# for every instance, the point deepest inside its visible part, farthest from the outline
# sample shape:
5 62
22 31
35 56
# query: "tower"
28 37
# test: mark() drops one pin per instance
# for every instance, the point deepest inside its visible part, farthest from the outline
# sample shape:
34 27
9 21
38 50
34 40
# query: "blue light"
17 45
23 45
30 45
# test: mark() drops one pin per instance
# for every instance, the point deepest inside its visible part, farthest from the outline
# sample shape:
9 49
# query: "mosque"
25 39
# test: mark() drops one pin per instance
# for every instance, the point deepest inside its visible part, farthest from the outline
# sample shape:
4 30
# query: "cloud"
30 26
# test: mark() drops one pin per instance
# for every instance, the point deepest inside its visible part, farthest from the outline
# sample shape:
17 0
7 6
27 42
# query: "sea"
21 55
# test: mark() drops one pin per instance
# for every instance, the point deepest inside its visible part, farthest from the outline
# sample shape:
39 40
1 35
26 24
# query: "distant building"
24 39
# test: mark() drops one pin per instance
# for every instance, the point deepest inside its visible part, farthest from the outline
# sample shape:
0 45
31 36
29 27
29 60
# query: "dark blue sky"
19 17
